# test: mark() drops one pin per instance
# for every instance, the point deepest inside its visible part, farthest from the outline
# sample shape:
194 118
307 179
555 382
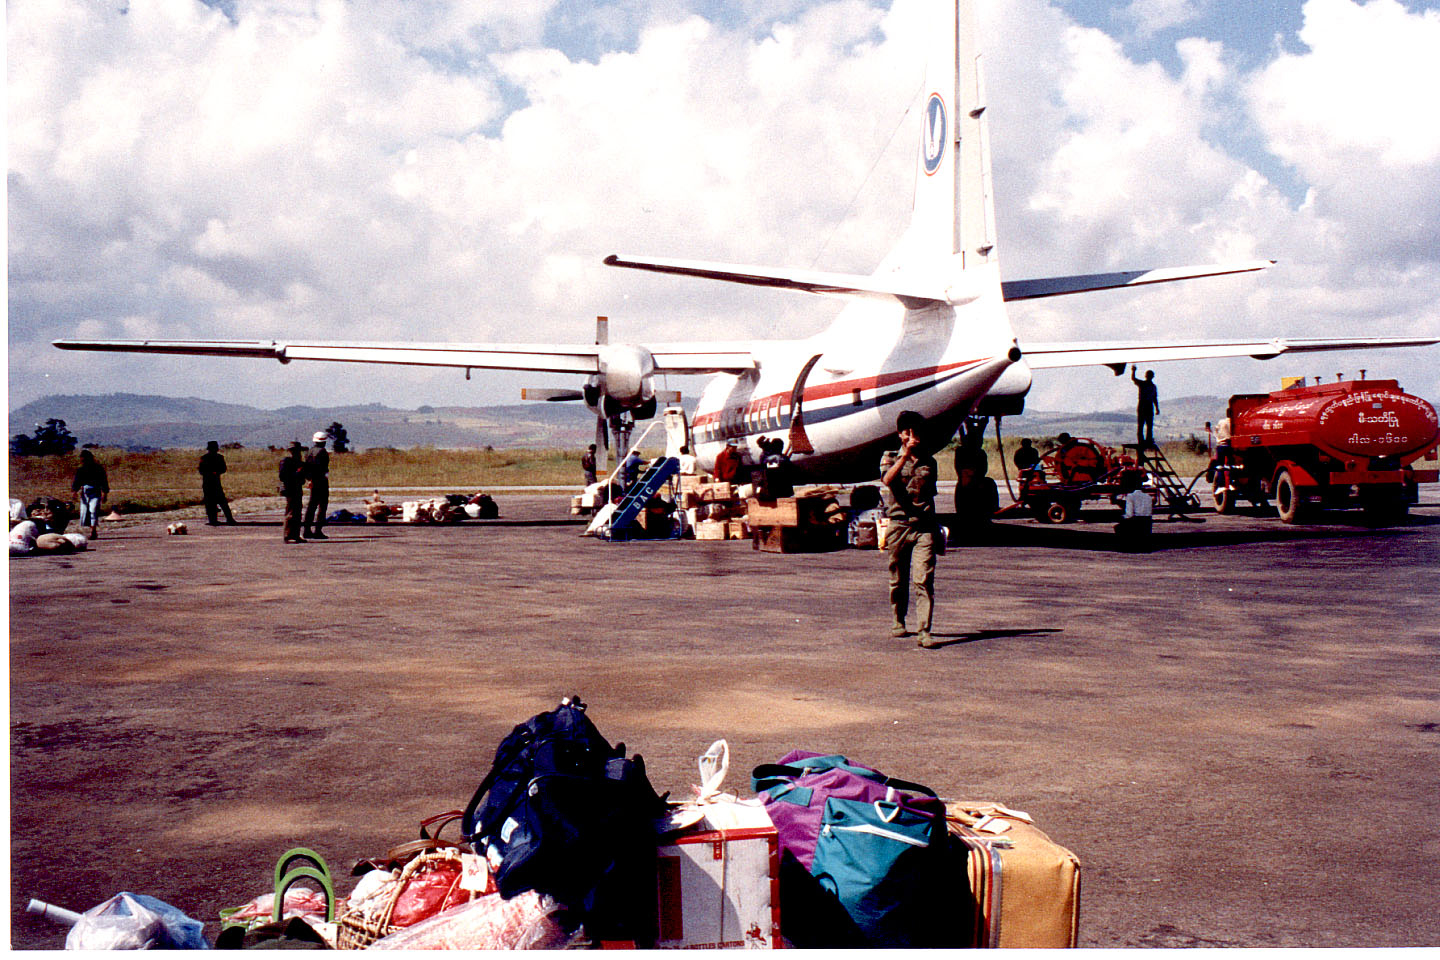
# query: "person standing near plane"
727 463
1147 405
912 533
587 464
212 465
317 471
93 487
292 488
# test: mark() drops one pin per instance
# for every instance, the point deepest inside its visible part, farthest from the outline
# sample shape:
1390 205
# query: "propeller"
621 392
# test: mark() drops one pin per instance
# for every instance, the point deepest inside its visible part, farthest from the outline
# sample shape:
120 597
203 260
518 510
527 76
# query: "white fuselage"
877 359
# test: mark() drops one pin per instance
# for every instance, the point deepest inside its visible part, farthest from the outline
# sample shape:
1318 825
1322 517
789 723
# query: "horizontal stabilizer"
908 291
1041 356
1084 283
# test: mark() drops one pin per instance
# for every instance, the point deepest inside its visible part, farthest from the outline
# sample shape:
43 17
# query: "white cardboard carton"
719 882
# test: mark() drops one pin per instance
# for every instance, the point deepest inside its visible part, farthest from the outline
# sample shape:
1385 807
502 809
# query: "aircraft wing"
1083 283
1041 356
546 357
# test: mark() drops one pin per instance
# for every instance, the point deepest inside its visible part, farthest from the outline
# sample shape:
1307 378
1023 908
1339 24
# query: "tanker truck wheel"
1288 502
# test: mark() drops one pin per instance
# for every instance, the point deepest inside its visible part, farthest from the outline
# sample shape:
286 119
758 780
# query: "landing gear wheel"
1225 498
1288 502
1059 512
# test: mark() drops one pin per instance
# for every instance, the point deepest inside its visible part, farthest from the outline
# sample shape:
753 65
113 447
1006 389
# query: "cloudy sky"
456 171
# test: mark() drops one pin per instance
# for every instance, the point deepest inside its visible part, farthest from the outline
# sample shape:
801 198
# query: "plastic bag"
133 921
526 922
433 887
299 902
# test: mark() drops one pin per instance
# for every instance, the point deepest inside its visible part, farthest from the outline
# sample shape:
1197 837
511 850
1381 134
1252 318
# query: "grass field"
145 482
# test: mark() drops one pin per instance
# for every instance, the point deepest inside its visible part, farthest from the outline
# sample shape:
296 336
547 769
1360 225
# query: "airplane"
927 331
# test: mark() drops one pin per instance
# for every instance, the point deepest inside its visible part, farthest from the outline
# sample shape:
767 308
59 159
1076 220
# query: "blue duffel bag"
890 864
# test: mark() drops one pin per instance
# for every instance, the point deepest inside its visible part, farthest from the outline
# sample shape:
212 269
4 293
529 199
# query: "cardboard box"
736 530
710 530
720 490
719 882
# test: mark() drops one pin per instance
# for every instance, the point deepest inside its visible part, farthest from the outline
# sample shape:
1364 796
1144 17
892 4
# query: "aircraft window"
855 397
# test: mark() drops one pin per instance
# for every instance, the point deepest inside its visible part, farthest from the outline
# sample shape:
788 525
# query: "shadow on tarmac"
953 639
1099 535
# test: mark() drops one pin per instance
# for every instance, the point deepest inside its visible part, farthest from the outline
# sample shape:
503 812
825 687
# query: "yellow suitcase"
1026 886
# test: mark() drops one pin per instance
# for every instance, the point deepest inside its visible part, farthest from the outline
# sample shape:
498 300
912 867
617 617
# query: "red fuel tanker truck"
1350 443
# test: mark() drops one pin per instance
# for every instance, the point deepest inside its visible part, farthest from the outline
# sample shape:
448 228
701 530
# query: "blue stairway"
635 499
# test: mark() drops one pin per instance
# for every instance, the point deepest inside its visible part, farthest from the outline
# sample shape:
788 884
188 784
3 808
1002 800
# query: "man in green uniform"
292 487
317 471
912 533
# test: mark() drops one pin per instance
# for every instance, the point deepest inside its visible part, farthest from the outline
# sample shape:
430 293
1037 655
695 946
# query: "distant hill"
1179 418
134 421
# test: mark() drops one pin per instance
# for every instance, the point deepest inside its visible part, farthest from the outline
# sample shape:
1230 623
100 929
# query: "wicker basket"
356 931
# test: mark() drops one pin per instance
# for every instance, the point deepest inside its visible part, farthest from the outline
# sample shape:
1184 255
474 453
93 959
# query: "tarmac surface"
1237 733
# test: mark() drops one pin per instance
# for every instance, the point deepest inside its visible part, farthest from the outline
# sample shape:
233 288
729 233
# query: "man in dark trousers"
912 535
292 488
1147 405
587 464
317 471
212 465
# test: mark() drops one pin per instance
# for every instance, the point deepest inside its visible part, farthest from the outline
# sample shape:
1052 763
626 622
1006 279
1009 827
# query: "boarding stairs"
622 521
1172 489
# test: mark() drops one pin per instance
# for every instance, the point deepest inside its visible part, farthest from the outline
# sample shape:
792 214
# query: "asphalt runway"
1236 733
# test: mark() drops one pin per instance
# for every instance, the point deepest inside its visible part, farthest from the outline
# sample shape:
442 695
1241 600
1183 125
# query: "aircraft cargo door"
677 431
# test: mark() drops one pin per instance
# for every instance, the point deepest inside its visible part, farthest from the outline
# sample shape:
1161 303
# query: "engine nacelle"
626 381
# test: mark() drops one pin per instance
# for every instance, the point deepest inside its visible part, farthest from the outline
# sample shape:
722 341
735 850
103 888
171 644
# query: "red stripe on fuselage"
825 391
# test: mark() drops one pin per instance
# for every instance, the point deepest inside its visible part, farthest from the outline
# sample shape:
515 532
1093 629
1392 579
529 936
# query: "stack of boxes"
811 522
713 507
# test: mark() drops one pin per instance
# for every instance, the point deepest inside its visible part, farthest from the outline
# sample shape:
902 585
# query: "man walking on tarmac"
317 470
912 534
1147 405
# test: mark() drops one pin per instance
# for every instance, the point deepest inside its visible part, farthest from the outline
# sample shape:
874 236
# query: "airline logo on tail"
934 133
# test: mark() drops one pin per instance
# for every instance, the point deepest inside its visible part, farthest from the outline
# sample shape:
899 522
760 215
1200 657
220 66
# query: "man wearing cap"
212 465
317 471
292 487
727 463
912 531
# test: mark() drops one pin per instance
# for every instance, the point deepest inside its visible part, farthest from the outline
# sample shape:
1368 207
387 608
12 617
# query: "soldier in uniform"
912 534
212 465
292 487
317 471
587 465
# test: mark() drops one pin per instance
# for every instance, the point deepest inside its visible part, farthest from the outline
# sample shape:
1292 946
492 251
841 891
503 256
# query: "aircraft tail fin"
952 220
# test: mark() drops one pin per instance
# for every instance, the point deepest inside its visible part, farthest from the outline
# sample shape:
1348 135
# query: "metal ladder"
656 476
1178 497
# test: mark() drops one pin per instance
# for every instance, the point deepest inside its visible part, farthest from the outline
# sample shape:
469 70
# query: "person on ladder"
1147 406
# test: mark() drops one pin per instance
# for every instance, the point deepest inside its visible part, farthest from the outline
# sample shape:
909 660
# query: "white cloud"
1149 17
351 172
